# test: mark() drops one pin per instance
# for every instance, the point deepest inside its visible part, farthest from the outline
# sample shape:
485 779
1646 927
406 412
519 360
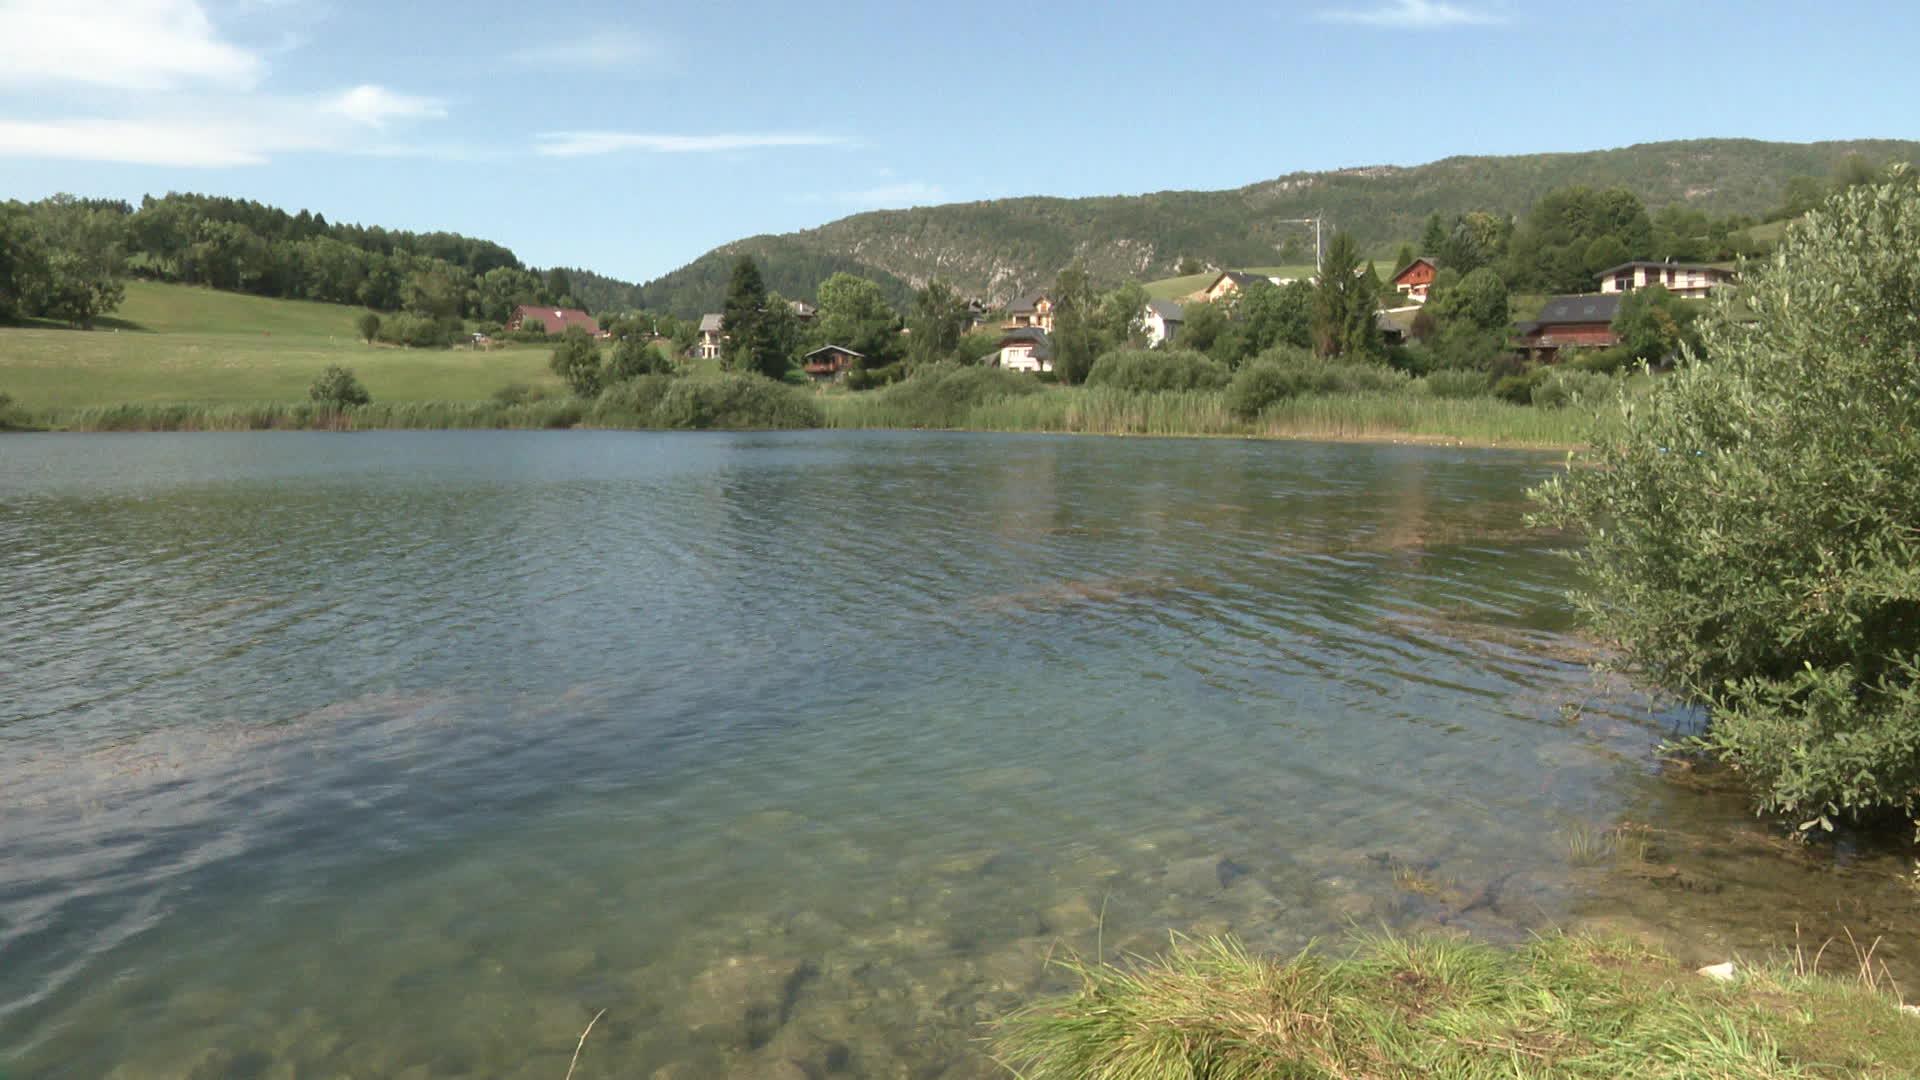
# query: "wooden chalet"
830 363
1569 322
1415 279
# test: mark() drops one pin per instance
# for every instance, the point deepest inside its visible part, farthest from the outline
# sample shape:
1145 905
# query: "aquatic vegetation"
1401 1008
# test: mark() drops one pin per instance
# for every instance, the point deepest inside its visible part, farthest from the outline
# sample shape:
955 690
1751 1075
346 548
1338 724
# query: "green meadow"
179 343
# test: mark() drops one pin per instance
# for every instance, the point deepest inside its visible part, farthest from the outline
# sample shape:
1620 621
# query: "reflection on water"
404 754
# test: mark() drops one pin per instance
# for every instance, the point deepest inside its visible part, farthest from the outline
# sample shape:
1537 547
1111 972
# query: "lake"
406 754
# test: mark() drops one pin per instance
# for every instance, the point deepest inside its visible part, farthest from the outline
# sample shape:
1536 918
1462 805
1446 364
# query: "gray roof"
1029 335
1589 308
834 348
1241 278
711 324
1167 310
1029 302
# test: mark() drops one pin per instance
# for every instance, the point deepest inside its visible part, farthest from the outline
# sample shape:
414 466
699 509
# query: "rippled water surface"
405 754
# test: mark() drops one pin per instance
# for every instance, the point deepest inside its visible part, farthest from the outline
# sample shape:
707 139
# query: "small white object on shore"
1718 972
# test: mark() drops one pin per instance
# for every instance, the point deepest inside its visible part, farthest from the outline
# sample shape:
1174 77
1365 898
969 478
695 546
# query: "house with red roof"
556 320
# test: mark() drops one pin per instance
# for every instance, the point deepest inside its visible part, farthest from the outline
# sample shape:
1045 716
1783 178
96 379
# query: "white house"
1693 280
1161 320
1025 348
712 329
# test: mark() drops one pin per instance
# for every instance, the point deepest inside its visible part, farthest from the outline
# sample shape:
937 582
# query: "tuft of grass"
1415 1008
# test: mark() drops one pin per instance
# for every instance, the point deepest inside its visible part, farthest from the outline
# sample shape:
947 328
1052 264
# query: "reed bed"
1106 411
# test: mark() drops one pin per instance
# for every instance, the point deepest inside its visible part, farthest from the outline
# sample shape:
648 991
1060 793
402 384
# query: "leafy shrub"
633 357
1518 388
941 395
1457 384
1288 372
419 331
1753 535
1560 387
368 325
1145 372
1604 361
518 394
733 401
632 402
576 359
874 378
337 388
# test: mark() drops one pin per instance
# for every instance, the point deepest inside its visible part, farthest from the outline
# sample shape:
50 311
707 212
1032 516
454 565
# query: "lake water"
405 754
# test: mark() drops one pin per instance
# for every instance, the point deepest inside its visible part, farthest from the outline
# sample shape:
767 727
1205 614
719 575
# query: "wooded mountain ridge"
995 250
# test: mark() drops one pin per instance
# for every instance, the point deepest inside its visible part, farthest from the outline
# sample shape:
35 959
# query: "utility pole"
1318 221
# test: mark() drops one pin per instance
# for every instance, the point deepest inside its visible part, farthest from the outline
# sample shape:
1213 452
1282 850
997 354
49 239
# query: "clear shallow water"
403 754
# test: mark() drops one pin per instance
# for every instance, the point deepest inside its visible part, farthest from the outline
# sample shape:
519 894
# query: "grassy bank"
1099 411
1414 1009
177 343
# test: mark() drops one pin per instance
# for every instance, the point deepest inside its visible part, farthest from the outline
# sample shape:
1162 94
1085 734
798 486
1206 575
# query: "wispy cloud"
199 132
614 51
155 82
374 106
585 143
124 44
1413 15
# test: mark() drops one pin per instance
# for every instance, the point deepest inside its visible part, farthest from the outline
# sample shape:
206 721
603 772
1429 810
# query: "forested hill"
996 249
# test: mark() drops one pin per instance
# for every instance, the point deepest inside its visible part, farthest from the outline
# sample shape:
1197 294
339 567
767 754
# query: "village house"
1161 320
1230 283
830 362
1569 322
712 330
555 320
1033 309
1415 279
803 310
1026 348
1691 280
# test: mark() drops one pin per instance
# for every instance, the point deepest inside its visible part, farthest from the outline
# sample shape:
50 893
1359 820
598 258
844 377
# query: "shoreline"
1274 434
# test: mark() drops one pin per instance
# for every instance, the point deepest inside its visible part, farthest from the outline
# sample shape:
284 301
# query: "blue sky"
629 138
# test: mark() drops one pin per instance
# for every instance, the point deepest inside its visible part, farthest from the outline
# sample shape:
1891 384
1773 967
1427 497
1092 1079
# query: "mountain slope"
996 249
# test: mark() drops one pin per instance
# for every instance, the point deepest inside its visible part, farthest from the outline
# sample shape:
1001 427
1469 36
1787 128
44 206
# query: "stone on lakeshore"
1718 972
1072 916
965 863
743 998
1200 876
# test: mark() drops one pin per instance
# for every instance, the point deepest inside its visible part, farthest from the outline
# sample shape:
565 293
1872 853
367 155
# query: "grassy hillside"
1179 288
176 343
997 249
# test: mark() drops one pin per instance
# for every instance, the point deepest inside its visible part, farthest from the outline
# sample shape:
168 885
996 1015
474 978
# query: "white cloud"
191 145
1414 15
124 44
584 143
611 51
373 106
194 132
